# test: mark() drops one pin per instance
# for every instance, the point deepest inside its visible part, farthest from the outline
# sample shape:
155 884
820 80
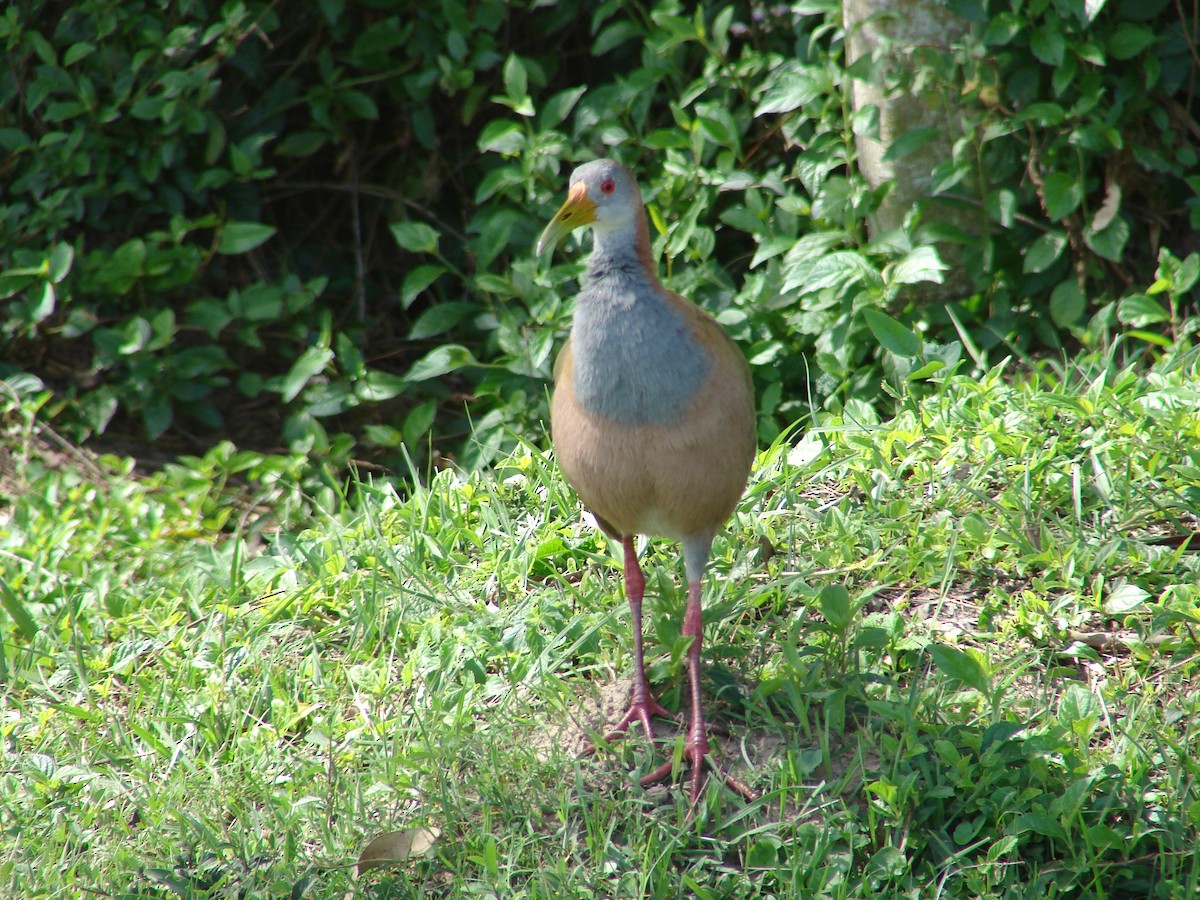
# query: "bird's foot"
696 751
640 711
699 760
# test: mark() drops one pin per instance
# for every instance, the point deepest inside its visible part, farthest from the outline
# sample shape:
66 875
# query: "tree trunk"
894 29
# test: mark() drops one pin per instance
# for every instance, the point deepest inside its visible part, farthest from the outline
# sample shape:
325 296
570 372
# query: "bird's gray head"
602 194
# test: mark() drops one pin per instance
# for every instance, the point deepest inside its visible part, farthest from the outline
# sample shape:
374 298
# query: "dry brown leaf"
1109 208
397 847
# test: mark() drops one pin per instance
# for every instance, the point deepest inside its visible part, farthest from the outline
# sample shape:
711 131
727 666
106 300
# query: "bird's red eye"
607 186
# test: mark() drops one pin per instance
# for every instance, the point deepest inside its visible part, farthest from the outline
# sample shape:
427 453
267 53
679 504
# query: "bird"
652 422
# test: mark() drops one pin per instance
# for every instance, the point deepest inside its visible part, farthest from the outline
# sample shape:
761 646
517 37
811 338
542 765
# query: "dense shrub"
295 224
1081 142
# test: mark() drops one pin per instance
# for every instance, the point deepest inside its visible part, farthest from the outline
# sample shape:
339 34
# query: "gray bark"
888 27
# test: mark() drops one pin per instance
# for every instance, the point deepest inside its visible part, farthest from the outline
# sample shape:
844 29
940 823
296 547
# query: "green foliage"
316 230
1079 143
165 232
943 646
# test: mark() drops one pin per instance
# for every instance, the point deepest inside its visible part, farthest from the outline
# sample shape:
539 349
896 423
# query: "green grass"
941 646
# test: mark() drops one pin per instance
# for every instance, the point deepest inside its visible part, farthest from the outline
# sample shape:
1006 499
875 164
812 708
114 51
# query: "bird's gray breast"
636 360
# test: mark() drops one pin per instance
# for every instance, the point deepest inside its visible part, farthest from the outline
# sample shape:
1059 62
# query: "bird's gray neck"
620 250
636 360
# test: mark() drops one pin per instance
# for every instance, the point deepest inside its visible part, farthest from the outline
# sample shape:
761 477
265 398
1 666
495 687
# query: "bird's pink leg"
641 706
696 745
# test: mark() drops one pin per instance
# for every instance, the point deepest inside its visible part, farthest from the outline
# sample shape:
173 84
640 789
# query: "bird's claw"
696 751
641 712
699 763
637 712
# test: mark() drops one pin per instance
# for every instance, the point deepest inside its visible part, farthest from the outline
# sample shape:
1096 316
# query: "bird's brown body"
652 416
673 480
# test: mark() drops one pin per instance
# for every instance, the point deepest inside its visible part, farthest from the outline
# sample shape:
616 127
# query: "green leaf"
61 258
22 384
1067 303
416 237
258 302
1063 76
815 245
456 46
1077 703
441 361
1062 194
497 180
1044 252
439 319
718 125
311 362
1125 597
1048 45
887 864
1109 243
41 46
376 386
910 142
1139 310
495 231
665 139
301 143
157 416
893 336
678 30
764 853
377 40
1101 837
1151 337
1089 52
961 666
209 314
558 107
744 220
834 601
360 104
788 90
76 52
17 611
382 436
616 34
14 139
146 108
516 78
919 265
241 237
1130 39
1045 114
930 368
836 270
491 283
1188 274
133 335
418 280
1001 204
720 28
1002 28
419 422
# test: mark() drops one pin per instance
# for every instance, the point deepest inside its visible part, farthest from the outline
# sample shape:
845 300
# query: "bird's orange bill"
578 210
